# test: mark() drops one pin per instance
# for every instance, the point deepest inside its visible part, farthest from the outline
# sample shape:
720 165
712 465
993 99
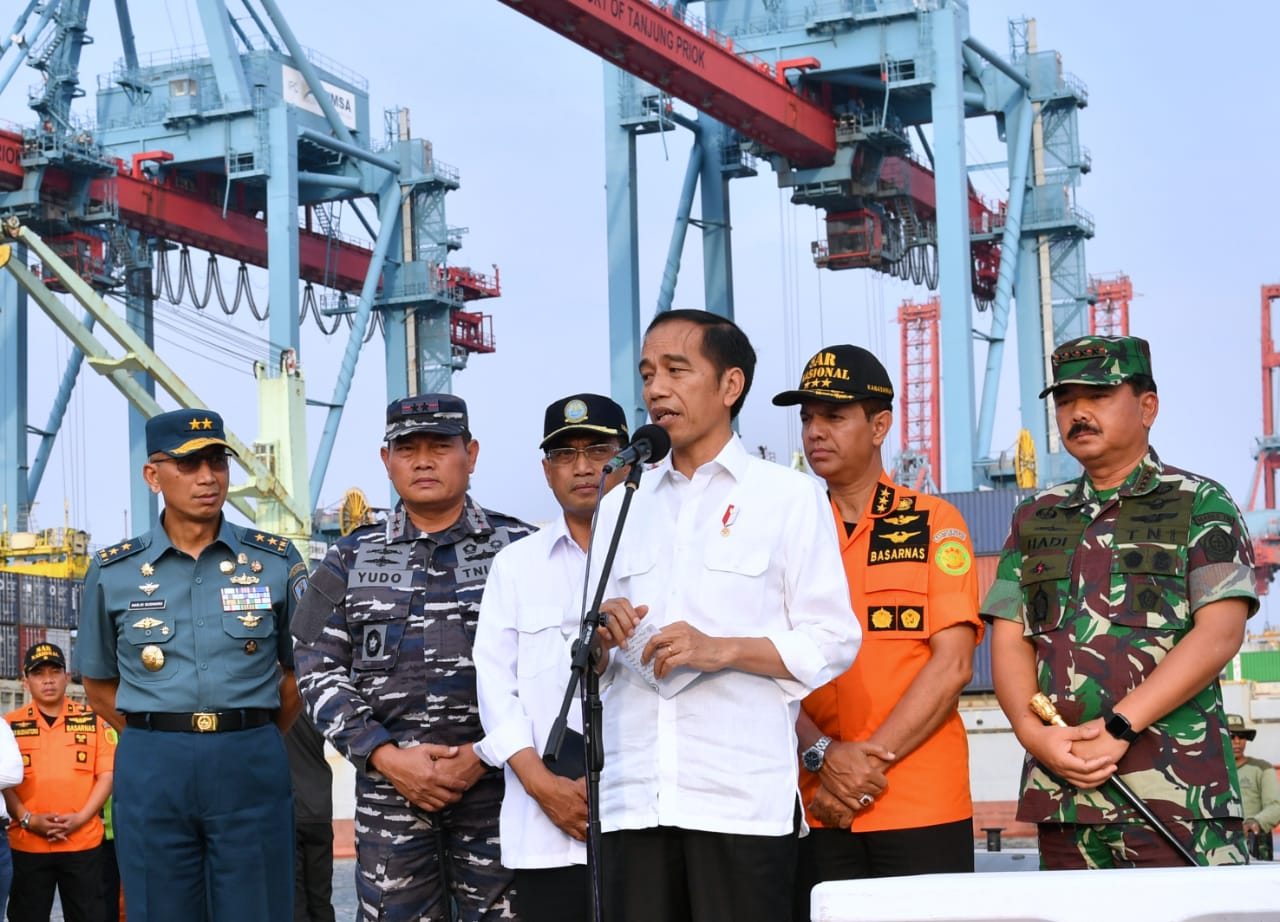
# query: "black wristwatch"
1118 726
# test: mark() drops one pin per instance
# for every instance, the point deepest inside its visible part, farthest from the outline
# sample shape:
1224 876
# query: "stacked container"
34 609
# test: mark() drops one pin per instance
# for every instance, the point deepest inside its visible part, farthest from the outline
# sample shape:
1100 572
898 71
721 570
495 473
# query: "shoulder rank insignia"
268 542
126 548
883 501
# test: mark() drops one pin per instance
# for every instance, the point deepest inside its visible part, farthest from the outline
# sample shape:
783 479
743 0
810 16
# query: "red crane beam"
655 45
163 210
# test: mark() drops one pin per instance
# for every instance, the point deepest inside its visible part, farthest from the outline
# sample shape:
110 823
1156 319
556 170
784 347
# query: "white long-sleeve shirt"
746 548
529 618
10 762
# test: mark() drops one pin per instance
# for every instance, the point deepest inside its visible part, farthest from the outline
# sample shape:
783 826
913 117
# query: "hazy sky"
1180 122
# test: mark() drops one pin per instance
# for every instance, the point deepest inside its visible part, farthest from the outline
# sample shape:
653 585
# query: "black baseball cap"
444 414
840 374
584 414
40 654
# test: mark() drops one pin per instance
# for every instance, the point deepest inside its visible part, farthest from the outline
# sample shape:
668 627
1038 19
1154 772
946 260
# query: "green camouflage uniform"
1104 589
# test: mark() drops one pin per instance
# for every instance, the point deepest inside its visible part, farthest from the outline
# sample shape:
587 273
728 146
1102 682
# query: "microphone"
650 443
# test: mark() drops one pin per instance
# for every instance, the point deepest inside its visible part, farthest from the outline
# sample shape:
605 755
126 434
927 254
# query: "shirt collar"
160 538
732 458
885 498
1141 480
472 521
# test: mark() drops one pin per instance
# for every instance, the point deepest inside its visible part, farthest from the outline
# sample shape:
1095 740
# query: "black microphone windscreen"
659 442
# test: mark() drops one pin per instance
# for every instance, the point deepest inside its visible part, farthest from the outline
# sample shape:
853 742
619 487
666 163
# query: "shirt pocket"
1153 588
253 638
896 597
376 637
140 634
733 589
543 639
1044 586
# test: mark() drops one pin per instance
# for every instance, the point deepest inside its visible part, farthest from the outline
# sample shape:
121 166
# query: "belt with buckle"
200 721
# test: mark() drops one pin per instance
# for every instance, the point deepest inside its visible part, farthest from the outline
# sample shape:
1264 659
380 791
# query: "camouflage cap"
840 374
1236 726
1104 360
444 414
181 432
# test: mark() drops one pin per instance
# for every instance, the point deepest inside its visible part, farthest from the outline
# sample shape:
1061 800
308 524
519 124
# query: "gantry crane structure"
830 92
220 151
1263 517
1109 298
921 427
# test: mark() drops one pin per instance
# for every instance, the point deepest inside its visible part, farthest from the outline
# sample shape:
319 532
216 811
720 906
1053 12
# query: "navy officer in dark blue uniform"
184 647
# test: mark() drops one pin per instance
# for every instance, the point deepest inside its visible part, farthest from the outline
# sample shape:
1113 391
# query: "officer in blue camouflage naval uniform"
184 647
384 640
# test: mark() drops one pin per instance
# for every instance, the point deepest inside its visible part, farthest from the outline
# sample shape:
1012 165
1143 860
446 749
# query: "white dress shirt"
10 762
746 548
529 619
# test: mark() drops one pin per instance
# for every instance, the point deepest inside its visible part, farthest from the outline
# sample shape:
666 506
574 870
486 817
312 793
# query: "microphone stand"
586 653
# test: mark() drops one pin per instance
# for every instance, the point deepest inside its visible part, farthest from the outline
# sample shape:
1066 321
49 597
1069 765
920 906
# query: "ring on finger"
866 799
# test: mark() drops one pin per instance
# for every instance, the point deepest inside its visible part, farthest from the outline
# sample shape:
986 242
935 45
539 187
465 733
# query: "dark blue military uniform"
199 641
384 656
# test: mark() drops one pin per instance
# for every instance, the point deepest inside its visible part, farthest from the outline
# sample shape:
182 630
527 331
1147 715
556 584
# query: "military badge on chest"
246 598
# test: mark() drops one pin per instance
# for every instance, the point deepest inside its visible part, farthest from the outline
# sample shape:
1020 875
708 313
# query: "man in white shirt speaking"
529 619
734 561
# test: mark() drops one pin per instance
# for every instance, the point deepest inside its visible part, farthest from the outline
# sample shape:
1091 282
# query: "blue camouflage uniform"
384 637
196 637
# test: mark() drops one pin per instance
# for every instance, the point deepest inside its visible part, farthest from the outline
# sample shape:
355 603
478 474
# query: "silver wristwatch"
813 757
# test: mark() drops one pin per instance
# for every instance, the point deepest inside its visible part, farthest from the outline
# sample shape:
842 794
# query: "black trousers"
313 880
666 874
553 894
837 854
77 877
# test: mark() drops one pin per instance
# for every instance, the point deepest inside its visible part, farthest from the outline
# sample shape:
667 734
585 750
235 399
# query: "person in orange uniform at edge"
885 761
68 757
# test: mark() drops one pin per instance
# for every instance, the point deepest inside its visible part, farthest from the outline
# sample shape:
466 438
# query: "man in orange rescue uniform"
885 776
68 756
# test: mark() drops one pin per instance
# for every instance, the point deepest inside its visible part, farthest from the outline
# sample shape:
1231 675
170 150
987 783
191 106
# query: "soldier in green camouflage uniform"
1121 595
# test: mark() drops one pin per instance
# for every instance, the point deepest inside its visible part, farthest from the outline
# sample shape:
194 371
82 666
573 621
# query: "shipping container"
1254 666
10 655
8 597
988 514
28 637
981 683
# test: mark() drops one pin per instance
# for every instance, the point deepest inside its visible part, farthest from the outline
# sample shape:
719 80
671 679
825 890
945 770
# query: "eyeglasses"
190 464
597 454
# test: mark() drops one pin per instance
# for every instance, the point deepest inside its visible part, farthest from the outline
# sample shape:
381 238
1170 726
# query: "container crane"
220 152
827 93
1262 518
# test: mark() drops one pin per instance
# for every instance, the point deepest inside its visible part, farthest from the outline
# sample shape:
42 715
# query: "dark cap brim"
585 429
45 661
791 398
